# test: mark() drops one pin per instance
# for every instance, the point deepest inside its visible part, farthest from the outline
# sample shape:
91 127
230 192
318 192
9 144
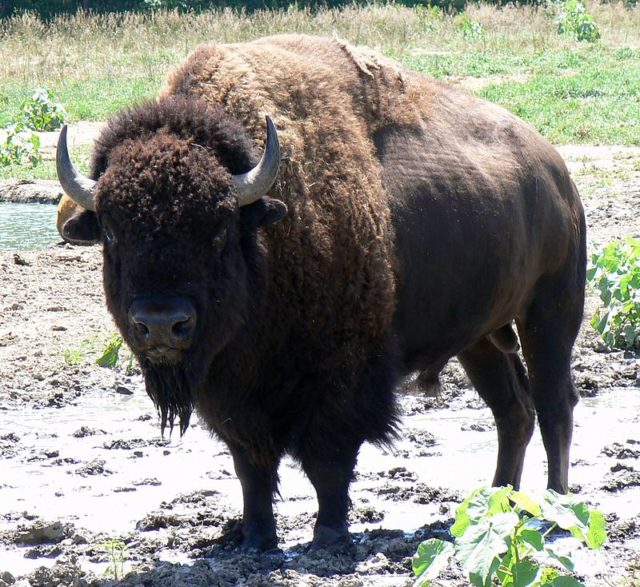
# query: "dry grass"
142 46
100 64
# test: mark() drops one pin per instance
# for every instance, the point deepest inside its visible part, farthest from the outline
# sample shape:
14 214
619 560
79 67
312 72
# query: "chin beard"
172 389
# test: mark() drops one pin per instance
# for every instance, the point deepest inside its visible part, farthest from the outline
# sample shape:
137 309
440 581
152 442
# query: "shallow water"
25 227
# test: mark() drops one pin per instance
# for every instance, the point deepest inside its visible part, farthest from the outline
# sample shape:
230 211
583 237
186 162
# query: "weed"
428 16
19 146
499 536
109 357
41 111
574 20
615 272
73 357
116 353
116 551
471 29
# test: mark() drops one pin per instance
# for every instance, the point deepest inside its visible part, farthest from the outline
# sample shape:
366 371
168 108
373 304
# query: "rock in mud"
621 451
41 532
95 467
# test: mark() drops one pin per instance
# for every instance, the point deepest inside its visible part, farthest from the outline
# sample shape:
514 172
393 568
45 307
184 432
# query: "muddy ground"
82 463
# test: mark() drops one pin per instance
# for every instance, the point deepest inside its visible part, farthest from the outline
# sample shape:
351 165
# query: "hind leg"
501 381
547 332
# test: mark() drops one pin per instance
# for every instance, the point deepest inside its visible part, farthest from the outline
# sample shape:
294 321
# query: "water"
26 227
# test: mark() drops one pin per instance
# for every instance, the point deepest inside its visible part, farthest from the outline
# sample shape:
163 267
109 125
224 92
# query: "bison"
392 223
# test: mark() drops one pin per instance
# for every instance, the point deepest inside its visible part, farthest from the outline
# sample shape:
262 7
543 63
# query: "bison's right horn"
79 188
254 184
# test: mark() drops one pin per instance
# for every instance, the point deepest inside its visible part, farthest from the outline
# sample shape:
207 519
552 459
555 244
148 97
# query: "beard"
172 388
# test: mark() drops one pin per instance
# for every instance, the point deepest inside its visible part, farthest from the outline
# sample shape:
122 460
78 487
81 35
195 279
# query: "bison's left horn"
254 184
79 188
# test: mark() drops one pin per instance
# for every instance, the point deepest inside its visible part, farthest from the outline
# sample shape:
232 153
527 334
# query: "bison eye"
220 240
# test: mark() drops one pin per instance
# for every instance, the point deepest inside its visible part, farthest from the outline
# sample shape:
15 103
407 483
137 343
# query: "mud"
83 466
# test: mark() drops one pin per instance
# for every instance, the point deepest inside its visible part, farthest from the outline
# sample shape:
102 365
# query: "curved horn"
79 188
254 184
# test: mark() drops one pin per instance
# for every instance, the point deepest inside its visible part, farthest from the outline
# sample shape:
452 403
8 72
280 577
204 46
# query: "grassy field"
572 91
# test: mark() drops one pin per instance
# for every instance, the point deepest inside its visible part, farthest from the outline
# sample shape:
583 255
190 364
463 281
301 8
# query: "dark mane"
189 119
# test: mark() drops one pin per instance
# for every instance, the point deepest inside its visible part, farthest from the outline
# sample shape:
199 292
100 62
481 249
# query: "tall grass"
143 45
98 64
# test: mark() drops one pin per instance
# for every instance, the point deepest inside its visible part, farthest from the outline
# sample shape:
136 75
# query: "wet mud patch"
175 502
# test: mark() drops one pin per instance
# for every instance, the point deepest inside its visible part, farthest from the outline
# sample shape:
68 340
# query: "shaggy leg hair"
172 393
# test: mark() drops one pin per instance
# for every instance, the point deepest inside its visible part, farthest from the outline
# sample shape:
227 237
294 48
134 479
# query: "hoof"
259 543
325 538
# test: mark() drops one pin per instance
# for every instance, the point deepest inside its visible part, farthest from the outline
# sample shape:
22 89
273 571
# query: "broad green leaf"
499 500
479 581
566 582
565 561
525 573
526 502
580 509
462 517
532 537
431 557
484 541
597 534
554 510
477 505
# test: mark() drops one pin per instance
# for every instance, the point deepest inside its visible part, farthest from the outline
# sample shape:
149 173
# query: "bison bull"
392 223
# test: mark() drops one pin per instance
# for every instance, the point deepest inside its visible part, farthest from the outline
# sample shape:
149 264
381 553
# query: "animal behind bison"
391 223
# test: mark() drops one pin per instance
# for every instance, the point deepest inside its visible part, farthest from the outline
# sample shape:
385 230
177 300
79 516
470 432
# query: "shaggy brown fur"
421 223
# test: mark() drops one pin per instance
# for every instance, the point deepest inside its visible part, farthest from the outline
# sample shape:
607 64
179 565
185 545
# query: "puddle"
25 227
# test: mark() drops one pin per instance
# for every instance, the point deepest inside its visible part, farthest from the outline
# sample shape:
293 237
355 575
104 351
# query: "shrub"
499 530
470 28
615 272
20 146
573 19
42 111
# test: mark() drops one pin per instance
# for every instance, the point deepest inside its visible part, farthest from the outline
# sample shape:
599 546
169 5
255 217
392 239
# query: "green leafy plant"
615 272
41 111
499 534
116 352
471 29
109 357
116 551
573 19
19 146
427 15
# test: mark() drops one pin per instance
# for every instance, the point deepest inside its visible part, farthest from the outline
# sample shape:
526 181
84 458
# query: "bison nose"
162 325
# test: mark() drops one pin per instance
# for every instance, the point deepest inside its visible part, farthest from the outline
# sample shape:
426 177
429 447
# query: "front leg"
331 472
259 482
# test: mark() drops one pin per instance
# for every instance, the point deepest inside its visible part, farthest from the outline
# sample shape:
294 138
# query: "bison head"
178 218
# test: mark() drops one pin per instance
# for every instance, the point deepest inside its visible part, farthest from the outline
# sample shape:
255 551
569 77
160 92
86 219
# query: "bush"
20 146
471 29
615 272
574 20
499 530
42 111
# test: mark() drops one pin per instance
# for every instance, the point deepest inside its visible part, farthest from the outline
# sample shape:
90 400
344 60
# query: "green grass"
572 92
46 169
596 104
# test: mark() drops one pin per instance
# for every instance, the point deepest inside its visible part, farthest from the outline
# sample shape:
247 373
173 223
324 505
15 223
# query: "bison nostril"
141 328
182 328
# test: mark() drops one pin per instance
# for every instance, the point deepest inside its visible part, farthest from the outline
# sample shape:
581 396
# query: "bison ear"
82 229
264 212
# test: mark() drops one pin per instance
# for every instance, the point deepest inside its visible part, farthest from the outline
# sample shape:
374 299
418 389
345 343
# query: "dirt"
83 467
